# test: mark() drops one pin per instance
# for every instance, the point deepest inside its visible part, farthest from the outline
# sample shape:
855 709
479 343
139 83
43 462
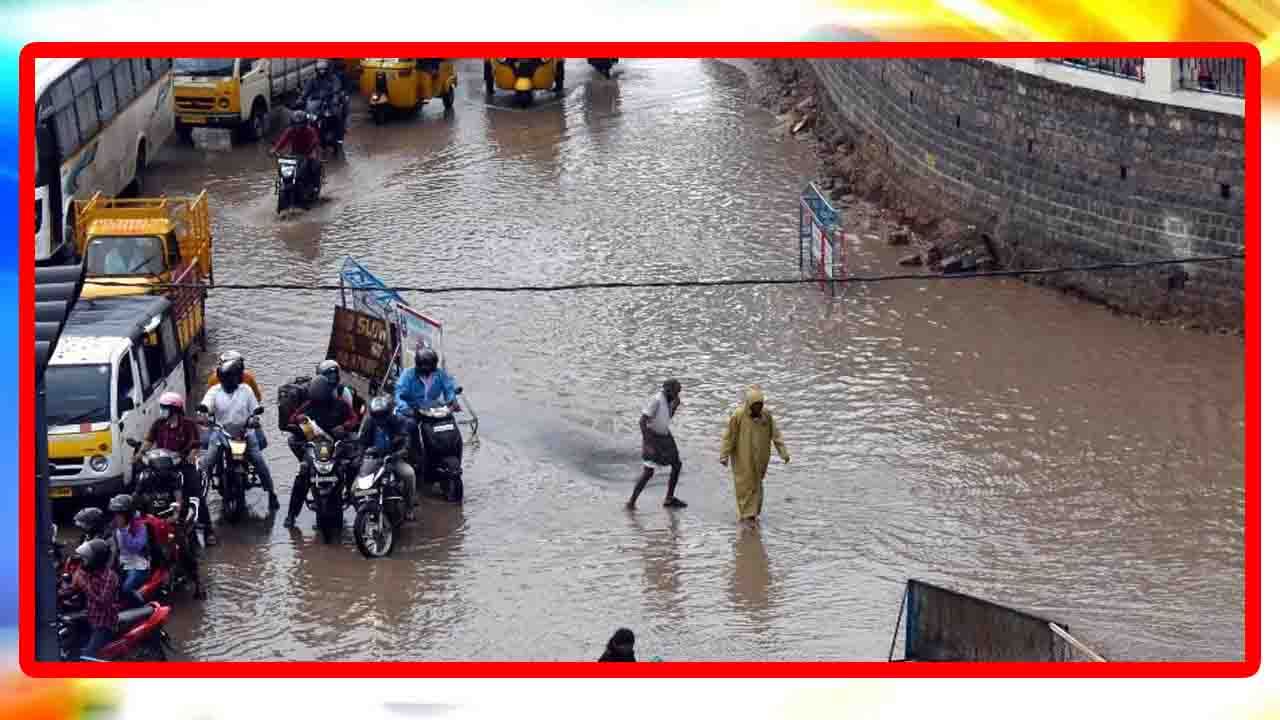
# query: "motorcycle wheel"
370 543
233 501
524 98
284 199
379 114
455 490
448 99
330 519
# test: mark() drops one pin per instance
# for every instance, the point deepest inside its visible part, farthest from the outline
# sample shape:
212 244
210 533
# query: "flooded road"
992 437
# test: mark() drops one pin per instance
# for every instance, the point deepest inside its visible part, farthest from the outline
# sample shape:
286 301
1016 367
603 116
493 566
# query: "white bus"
99 122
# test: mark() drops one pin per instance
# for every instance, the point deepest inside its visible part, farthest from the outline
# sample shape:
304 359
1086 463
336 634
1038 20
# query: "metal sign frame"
821 231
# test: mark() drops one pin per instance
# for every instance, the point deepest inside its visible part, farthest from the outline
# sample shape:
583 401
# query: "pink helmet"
172 399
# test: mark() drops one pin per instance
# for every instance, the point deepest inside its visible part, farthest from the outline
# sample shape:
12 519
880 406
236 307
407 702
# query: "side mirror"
458 390
133 443
260 410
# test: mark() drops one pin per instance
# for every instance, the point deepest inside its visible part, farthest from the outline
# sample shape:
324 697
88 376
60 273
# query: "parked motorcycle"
141 637
327 463
233 474
292 190
440 441
380 504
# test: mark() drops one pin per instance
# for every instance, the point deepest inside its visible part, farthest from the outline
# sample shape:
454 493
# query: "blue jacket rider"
424 385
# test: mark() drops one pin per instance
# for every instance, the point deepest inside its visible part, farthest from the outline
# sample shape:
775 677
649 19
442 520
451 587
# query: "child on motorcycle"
100 585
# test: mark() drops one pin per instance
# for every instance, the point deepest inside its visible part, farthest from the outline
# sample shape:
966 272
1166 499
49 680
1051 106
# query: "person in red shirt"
101 586
178 433
303 141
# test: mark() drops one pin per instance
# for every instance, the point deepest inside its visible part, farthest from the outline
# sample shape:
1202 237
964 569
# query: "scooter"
141 635
440 444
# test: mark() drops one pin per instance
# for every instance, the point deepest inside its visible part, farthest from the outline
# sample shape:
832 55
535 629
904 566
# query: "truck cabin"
141 252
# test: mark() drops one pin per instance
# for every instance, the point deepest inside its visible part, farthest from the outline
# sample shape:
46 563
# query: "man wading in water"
659 446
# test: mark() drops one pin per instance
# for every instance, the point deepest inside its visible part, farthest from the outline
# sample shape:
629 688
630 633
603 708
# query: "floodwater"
993 437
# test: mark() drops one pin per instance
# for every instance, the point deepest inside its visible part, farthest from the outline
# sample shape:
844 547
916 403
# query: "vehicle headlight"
99 463
324 467
365 483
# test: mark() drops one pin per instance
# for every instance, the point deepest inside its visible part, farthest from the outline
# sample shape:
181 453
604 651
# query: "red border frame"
26 309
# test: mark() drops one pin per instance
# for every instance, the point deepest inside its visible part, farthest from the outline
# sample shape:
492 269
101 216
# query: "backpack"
289 398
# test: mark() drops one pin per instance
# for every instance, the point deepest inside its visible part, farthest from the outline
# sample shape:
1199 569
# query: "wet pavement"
992 437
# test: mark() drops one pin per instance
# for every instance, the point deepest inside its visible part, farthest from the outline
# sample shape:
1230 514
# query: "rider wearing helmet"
131 541
249 378
331 371
232 403
386 432
97 579
333 416
324 85
424 385
301 140
178 433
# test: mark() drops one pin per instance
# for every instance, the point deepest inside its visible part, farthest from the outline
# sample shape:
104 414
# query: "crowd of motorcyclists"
146 546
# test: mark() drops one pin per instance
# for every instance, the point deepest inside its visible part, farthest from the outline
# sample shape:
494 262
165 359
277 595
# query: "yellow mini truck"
397 85
524 76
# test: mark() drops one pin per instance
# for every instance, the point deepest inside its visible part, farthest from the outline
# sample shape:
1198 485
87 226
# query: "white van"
115 357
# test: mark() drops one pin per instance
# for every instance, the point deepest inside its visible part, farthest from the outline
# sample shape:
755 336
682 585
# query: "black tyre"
284 199
330 518
371 543
559 87
256 128
184 133
379 114
454 493
233 500
488 78
448 99
524 98
151 651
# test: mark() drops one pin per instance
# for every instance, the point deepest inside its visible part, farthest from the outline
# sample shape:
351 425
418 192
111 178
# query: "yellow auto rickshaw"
524 76
405 84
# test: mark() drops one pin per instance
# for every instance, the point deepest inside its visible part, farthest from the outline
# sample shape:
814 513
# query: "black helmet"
121 503
322 67
320 391
232 367
330 370
380 407
90 520
297 118
426 360
94 553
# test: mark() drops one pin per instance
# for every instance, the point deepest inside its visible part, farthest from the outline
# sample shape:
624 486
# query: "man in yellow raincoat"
746 441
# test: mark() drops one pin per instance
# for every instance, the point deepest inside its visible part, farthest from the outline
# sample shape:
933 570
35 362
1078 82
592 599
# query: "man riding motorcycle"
231 403
420 386
249 379
178 433
387 432
331 371
334 416
303 141
324 85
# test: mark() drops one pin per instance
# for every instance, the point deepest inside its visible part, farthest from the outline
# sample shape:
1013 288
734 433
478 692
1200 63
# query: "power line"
610 285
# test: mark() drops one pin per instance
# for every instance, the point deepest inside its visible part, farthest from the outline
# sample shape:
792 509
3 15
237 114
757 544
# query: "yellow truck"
141 246
234 93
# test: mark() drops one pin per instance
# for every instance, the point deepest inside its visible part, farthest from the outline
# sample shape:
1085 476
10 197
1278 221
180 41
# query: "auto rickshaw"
524 76
604 66
405 84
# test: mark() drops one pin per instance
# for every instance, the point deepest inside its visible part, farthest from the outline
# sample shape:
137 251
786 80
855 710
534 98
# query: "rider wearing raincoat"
750 432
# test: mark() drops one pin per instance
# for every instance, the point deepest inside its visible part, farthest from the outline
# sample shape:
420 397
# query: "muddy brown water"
993 437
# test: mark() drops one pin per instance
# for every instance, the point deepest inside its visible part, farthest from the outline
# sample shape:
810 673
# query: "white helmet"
228 356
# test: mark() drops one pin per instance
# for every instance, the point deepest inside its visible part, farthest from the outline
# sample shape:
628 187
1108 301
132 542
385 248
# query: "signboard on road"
362 344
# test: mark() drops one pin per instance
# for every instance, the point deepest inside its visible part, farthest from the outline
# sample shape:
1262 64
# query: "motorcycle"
380 501
291 190
233 475
440 461
328 115
156 475
327 464
141 638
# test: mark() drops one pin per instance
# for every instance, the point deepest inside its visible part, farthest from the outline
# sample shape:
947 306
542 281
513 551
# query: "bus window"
161 66
141 72
124 82
246 64
64 124
124 385
106 89
86 102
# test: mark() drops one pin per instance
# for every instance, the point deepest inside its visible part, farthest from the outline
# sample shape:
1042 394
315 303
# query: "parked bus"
99 122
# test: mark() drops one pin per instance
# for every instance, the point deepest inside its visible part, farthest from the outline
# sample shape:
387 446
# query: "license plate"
193 119
62 492
443 428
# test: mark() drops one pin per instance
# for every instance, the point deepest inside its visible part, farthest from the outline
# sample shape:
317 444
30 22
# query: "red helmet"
172 399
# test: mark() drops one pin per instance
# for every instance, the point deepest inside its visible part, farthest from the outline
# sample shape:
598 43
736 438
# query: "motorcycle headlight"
286 170
324 467
366 482
99 463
